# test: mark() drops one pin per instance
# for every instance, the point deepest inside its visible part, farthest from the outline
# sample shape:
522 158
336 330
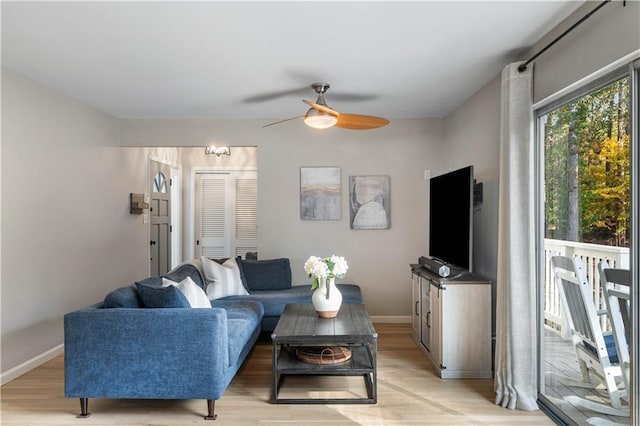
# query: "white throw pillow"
222 280
193 292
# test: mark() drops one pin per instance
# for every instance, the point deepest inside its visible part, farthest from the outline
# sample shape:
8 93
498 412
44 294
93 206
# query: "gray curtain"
516 354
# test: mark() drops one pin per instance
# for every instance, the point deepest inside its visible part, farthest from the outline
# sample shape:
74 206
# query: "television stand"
452 322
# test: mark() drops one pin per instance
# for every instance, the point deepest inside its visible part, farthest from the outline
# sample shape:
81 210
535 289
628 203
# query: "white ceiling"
257 59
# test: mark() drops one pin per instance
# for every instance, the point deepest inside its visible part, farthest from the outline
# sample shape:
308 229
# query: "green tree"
586 146
608 201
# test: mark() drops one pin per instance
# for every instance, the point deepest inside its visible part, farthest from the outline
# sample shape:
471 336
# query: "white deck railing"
591 255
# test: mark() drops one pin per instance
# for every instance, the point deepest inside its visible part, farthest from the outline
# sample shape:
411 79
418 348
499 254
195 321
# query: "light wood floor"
408 394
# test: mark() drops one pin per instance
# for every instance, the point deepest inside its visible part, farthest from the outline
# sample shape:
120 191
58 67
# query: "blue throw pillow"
272 274
153 296
123 297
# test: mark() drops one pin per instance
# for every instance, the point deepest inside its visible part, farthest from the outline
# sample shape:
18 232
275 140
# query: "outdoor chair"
598 361
617 285
617 288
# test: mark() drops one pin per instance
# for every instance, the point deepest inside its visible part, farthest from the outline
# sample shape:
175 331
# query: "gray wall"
67 236
611 33
402 150
472 137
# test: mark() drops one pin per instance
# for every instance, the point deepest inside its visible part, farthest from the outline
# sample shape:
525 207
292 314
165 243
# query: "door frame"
626 66
634 264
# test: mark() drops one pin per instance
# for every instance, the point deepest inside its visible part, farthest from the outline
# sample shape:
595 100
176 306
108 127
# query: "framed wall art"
369 202
320 193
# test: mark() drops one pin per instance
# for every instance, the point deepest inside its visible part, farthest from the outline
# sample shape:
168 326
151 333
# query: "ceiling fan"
320 116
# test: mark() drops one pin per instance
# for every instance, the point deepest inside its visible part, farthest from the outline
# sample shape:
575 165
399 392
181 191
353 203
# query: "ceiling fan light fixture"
319 119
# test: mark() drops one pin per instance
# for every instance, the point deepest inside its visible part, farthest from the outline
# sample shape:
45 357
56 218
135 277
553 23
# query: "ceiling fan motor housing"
320 87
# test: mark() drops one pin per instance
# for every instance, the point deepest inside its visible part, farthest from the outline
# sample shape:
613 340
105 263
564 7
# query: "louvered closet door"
212 235
246 213
226 214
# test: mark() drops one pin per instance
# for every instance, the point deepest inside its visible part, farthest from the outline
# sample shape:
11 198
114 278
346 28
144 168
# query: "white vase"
327 299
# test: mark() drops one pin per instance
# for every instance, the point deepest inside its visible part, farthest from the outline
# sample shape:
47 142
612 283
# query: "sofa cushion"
243 321
274 301
240 331
222 280
195 295
123 297
240 307
153 296
271 274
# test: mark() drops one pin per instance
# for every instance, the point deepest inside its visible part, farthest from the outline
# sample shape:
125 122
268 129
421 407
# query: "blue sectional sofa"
120 349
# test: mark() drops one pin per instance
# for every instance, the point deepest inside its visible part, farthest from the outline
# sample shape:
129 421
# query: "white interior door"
226 207
212 220
245 238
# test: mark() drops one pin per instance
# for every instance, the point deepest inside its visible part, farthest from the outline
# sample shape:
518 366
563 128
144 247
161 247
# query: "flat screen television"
451 218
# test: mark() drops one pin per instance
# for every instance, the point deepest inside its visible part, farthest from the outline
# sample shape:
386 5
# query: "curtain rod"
523 67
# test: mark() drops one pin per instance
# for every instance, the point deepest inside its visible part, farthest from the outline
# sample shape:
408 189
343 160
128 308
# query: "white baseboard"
29 365
391 319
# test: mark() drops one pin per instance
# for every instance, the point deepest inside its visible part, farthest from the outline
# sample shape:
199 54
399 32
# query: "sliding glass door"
586 170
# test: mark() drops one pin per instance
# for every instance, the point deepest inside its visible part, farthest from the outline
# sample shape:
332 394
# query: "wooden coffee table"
300 326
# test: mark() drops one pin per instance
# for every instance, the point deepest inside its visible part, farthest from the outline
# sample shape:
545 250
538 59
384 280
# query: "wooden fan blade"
360 122
321 107
283 121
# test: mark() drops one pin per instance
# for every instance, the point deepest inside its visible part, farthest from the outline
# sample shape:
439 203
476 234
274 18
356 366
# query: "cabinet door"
466 345
425 313
415 285
436 324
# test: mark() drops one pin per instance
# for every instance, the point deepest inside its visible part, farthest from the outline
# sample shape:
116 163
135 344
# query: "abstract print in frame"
320 193
369 202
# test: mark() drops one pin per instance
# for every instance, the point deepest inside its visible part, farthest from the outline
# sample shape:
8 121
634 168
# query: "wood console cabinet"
452 322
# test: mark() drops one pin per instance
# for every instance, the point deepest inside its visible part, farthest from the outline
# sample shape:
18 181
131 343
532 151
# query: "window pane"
160 183
586 216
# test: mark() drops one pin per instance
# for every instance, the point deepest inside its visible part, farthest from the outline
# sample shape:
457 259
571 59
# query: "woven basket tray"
323 355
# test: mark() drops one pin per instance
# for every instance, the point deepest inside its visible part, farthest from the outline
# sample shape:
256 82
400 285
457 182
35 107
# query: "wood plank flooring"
409 393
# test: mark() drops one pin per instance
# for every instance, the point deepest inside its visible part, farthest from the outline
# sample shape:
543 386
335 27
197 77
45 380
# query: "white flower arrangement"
328 267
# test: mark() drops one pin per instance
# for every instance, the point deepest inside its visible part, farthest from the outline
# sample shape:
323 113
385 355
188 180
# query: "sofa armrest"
146 353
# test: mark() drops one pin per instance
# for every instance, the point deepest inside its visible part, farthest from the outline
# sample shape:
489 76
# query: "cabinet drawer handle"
429 319
416 309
